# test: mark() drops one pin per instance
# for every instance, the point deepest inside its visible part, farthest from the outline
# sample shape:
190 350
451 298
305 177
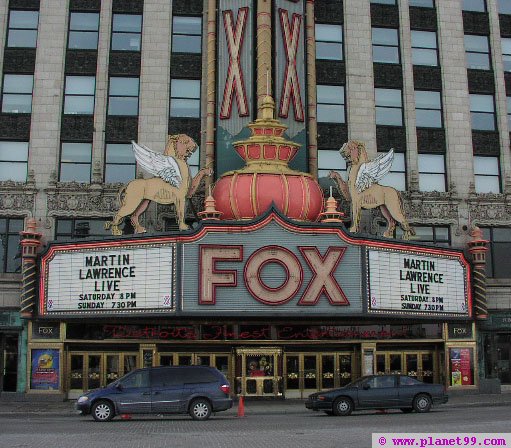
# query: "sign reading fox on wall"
289 70
235 62
236 74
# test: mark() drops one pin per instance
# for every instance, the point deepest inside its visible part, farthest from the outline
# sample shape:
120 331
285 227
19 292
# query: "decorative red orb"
247 195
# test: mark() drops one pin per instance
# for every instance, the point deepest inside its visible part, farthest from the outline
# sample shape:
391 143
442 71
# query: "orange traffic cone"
241 406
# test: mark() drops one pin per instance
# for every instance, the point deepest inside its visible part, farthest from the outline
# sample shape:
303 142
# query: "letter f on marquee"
291 85
323 280
234 83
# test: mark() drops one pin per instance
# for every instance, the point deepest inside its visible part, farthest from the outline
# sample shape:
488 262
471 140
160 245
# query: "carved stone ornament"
18 198
72 199
490 210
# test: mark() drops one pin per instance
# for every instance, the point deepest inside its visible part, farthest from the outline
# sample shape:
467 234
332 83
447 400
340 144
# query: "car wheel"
103 411
200 409
329 412
422 403
343 406
406 410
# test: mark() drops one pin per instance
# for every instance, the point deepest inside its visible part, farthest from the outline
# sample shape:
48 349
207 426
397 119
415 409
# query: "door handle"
146 393
156 393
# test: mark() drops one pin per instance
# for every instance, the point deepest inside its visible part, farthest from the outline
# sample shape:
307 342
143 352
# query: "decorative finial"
210 212
331 214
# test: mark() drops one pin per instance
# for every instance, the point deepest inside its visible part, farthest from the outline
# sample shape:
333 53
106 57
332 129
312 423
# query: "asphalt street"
300 428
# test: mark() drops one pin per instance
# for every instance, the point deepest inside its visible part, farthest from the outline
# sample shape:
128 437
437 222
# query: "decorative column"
264 64
211 92
312 121
30 241
478 248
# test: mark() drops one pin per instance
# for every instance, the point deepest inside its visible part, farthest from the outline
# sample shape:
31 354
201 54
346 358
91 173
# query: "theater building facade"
272 266
282 308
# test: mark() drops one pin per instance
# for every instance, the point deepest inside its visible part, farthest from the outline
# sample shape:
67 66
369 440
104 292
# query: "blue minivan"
194 390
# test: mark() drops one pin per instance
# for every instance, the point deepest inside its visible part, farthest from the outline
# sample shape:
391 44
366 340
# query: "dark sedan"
378 392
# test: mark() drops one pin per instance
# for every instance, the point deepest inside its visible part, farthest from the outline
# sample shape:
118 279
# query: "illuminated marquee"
109 280
419 284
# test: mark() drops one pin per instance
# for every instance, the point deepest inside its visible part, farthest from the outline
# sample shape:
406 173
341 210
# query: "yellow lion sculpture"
173 185
364 192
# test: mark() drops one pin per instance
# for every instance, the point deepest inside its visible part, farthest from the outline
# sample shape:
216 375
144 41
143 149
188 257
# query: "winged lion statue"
173 183
364 192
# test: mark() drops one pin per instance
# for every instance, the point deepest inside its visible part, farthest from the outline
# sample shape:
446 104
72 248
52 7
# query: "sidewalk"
252 407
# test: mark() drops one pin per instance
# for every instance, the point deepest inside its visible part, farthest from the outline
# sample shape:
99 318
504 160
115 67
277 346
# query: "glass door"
389 362
427 369
95 370
412 364
345 369
327 371
416 364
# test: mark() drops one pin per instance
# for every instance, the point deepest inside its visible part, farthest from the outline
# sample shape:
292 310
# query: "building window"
389 107
424 48
80 228
385 45
75 162
13 161
498 261
438 235
22 29
329 42
506 53
194 162
428 109
486 174
422 3
508 99
17 94
83 31
330 159
120 163
186 34
474 5
185 98
384 2
396 177
330 104
482 112
123 96
126 32
477 50
79 95
504 6
432 172
10 260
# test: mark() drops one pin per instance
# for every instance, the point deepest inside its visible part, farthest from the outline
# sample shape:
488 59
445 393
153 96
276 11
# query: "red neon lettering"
291 85
210 277
234 83
323 280
258 289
